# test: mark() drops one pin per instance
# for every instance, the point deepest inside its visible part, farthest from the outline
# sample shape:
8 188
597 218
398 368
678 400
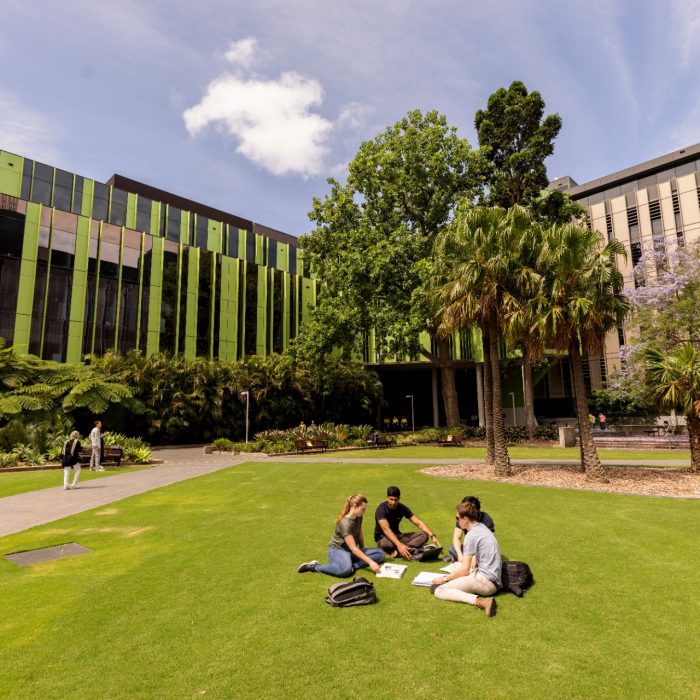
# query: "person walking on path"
601 420
70 459
346 550
96 442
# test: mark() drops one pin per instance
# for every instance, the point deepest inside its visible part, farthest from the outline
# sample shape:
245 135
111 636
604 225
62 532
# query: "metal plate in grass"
38 556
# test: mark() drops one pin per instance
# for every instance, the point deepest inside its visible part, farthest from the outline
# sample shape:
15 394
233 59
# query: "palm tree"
580 300
479 273
673 380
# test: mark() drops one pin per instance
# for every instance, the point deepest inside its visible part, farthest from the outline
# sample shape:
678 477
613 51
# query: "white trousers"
66 475
465 589
95 458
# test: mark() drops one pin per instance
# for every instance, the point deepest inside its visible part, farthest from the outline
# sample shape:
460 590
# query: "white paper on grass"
425 578
392 571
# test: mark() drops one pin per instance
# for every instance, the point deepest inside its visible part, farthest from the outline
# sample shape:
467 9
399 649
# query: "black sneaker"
308 566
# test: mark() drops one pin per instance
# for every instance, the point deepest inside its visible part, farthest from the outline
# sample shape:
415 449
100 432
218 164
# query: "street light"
247 405
413 422
512 396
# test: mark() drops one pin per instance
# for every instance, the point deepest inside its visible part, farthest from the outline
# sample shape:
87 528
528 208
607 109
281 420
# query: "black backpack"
359 591
516 577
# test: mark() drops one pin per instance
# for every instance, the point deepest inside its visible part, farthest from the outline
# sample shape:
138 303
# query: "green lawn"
432 452
12 483
191 591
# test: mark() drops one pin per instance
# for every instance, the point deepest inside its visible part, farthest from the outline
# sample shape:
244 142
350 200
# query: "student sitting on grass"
480 572
455 551
346 550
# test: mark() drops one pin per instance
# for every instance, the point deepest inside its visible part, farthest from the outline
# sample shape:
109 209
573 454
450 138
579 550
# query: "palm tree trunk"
502 460
530 421
449 385
694 437
589 455
488 402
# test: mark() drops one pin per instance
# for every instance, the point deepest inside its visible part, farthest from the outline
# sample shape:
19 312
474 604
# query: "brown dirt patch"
640 481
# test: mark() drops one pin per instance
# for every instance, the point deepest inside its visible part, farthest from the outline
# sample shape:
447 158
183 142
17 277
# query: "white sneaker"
100 469
65 488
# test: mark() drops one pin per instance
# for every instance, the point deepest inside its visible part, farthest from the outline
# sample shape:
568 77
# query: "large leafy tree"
516 138
673 380
373 237
482 274
580 300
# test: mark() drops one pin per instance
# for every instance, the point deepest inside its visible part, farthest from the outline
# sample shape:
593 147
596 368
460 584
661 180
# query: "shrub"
29 455
547 432
138 455
8 459
224 445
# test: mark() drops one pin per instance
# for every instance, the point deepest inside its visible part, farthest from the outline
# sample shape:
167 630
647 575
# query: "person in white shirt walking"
96 442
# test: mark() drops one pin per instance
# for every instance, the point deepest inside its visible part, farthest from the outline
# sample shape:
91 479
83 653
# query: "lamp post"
247 405
512 396
413 421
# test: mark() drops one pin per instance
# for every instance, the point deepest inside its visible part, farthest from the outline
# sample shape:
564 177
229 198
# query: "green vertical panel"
241 243
131 210
228 319
185 227
11 174
88 193
282 256
286 310
259 242
154 297
372 346
155 218
215 236
261 335
424 340
192 297
27 276
300 262
456 346
76 321
477 344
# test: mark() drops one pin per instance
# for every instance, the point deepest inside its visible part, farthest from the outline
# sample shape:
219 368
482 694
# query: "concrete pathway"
27 510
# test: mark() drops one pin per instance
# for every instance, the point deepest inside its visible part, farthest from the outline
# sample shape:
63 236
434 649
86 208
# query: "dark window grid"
169 301
278 317
251 309
216 307
202 228
143 214
38 306
117 206
272 253
47 283
203 346
27 176
77 195
182 284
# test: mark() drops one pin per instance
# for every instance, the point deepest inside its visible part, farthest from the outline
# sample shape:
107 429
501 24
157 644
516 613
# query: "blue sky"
250 106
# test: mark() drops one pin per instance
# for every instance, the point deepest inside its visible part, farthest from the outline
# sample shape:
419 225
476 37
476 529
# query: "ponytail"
354 500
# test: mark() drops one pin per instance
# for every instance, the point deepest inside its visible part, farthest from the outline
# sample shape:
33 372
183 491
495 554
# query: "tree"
673 381
480 280
516 139
373 236
580 300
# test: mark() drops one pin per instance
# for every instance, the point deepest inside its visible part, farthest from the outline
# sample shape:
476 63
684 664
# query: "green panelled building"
91 267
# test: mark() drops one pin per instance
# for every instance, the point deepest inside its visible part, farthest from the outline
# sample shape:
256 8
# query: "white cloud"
26 131
271 120
353 115
242 52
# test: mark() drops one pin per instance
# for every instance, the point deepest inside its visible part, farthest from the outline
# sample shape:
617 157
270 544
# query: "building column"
436 412
480 393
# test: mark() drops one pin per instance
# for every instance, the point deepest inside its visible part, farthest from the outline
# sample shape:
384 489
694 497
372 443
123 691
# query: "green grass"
191 591
432 452
12 483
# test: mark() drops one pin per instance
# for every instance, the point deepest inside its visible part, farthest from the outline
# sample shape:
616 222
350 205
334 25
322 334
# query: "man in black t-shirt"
387 535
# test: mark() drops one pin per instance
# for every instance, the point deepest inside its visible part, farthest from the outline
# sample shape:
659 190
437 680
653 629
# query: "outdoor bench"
450 441
379 441
305 445
110 453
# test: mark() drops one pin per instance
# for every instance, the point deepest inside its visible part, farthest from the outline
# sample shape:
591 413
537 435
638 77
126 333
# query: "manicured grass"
12 483
192 591
432 452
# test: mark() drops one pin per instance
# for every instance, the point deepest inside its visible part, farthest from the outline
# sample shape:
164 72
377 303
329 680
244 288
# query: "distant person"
479 575
96 444
387 534
591 420
455 551
70 459
346 550
601 420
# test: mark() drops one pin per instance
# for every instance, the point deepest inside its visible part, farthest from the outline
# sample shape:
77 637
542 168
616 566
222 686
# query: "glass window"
11 238
251 309
107 290
143 214
217 305
117 210
168 307
278 311
272 255
204 330
145 290
78 195
184 281
100 202
202 231
163 219
250 246
292 260
63 190
293 295
129 300
232 241
90 295
27 178
42 184
173 229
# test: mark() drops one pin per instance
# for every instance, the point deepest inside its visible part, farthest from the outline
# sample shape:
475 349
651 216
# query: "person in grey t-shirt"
479 575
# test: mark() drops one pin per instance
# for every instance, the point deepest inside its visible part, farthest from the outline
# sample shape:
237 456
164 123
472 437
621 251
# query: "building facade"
91 267
653 206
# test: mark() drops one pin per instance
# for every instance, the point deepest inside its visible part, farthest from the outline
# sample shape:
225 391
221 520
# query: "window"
608 226
11 240
42 184
204 330
202 231
251 309
143 214
117 210
250 246
621 336
173 229
168 308
100 202
272 255
27 179
292 260
63 190
78 195
633 223
680 239
129 300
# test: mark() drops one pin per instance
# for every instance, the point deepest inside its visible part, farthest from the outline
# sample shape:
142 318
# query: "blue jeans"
342 563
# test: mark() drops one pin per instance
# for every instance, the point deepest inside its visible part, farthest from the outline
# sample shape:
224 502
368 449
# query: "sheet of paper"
392 571
425 578
451 567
